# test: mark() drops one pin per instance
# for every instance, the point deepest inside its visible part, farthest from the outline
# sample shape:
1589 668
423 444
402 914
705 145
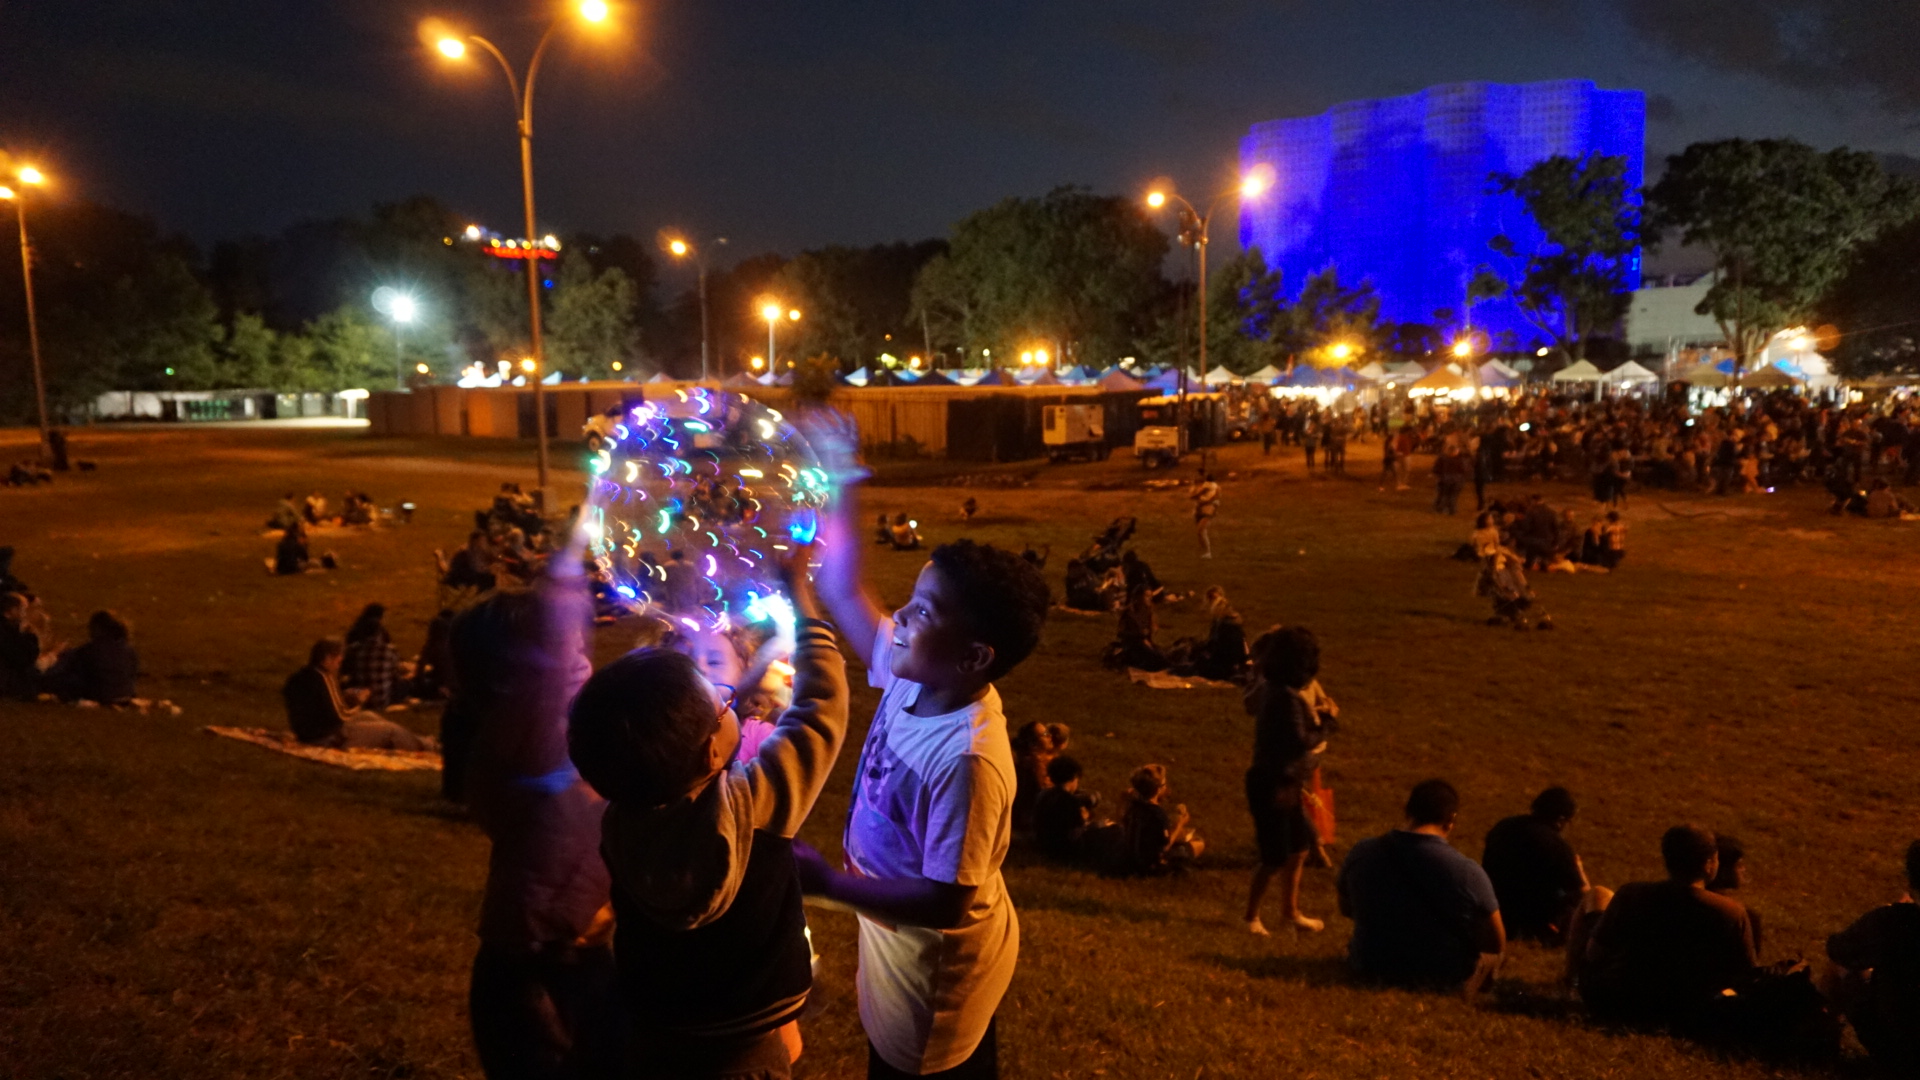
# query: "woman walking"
1289 736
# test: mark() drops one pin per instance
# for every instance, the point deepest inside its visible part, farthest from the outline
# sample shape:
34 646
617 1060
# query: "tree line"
1797 236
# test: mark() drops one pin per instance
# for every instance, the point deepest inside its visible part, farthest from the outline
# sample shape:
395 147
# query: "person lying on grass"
932 806
711 942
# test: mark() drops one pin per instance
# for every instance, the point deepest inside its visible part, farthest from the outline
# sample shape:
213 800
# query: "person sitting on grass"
371 665
1880 991
1883 503
19 650
543 974
319 715
1133 645
1732 876
1536 876
1063 813
931 813
1665 952
291 555
1083 589
904 534
284 515
1034 746
431 669
1157 840
1289 737
1423 914
471 567
711 943
102 670
1502 581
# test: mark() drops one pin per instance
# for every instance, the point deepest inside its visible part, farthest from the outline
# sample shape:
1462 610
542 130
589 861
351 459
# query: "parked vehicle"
1161 438
1075 431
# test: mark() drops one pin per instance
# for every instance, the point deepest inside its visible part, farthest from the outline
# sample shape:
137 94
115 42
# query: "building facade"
1398 191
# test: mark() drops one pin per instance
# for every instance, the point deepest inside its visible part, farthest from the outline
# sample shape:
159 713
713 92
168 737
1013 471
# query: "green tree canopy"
1783 221
1577 281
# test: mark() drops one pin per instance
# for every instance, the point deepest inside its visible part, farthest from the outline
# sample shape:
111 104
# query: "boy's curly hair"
1003 599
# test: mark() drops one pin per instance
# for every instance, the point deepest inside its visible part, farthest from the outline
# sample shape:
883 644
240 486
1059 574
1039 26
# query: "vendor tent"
1705 375
934 378
997 377
1044 378
1629 374
857 377
1403 373
1119 380
1768 378
1219 376
1444 379
1076 375
1580 372
1495 373
1265 375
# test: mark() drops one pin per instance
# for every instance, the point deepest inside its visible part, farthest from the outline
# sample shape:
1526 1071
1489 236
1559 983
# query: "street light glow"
794 314
30 175
1040 356
422 368
452 48
6 193
770 312
403 308
1257 181
527 365
1463 348
1156 199
679 248
1341 350
759 362
594 11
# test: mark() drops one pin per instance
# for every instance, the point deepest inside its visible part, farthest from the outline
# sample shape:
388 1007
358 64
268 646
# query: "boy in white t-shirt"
932 806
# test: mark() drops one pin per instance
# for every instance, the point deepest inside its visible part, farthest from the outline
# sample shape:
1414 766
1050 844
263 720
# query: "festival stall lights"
724 480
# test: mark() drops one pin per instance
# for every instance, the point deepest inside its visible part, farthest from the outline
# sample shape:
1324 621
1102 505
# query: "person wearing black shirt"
1062 812
319 716
1881 994
1289 737
1535 873
19 649
102 670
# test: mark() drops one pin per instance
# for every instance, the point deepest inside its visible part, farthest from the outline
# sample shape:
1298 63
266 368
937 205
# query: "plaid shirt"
372 665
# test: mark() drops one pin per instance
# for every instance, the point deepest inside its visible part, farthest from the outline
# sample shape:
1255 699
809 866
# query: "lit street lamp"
402 309
1193 230
770 311
28 176
679 248
454 47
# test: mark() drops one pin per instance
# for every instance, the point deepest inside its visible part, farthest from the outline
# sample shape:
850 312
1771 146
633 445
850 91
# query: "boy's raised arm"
792 766
841 580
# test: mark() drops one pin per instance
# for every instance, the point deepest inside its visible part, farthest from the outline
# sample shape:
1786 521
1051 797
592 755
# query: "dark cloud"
1662 109
1815 44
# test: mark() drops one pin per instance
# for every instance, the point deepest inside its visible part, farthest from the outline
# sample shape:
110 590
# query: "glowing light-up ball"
723 479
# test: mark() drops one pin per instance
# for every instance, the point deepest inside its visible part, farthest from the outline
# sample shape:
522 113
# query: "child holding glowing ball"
931 814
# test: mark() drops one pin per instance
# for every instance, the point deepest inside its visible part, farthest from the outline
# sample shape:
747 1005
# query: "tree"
1877 302
1235 335
1325 313
1576 280
590 321
1783 221
857 302
1072 272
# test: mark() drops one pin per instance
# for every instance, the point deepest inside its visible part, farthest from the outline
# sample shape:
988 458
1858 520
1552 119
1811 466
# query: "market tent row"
960 422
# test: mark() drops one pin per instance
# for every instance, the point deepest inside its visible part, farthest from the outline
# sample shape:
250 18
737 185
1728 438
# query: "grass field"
180 906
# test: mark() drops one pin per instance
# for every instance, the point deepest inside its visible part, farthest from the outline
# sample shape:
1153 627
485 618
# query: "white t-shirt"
933 798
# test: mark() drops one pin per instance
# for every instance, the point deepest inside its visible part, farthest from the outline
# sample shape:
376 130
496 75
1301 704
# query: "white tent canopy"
1266 374
1219 376
1629 373
1580 372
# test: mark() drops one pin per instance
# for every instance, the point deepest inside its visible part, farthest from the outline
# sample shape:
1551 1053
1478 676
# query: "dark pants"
983 1065
550 1012
1447 497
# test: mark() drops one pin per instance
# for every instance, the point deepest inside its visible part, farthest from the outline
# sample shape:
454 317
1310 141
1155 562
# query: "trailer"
1075 432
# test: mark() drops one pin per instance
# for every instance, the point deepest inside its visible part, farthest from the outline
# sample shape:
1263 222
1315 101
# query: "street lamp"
402 309
28 176
679 248
454 47
770 311
1193 230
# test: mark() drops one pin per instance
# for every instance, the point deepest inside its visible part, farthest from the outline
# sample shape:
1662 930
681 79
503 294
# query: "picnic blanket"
283 742
1163 680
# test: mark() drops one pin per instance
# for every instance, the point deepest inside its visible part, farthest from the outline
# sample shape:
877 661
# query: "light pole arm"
521 114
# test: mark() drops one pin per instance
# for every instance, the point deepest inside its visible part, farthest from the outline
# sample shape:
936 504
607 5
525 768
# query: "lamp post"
1193 230
402 309
770 311
455 48
28 176
680 248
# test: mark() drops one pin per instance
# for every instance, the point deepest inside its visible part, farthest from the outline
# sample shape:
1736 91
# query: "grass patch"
173 904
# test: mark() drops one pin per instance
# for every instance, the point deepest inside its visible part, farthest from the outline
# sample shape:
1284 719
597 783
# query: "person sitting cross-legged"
319 716
1062 813
1423 914
1535 872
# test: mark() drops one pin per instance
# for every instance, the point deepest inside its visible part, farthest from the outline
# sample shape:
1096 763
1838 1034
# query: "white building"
1662 319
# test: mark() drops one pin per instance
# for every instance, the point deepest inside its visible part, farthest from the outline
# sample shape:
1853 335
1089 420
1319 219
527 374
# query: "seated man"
319 717
471 567
103 669
1062 812
1157 840
1881 995
1535 874
1665 951
1423 914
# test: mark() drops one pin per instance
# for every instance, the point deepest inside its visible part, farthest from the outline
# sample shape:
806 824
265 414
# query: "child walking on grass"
711 947
931 814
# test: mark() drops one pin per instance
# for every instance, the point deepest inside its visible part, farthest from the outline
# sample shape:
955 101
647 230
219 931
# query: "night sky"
789 125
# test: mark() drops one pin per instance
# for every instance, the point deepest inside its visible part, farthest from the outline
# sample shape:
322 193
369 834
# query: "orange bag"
1316 800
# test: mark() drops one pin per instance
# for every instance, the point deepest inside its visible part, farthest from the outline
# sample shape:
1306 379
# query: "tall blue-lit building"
1397 190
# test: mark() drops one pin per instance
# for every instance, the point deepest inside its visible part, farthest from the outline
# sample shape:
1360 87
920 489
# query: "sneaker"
1257 928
